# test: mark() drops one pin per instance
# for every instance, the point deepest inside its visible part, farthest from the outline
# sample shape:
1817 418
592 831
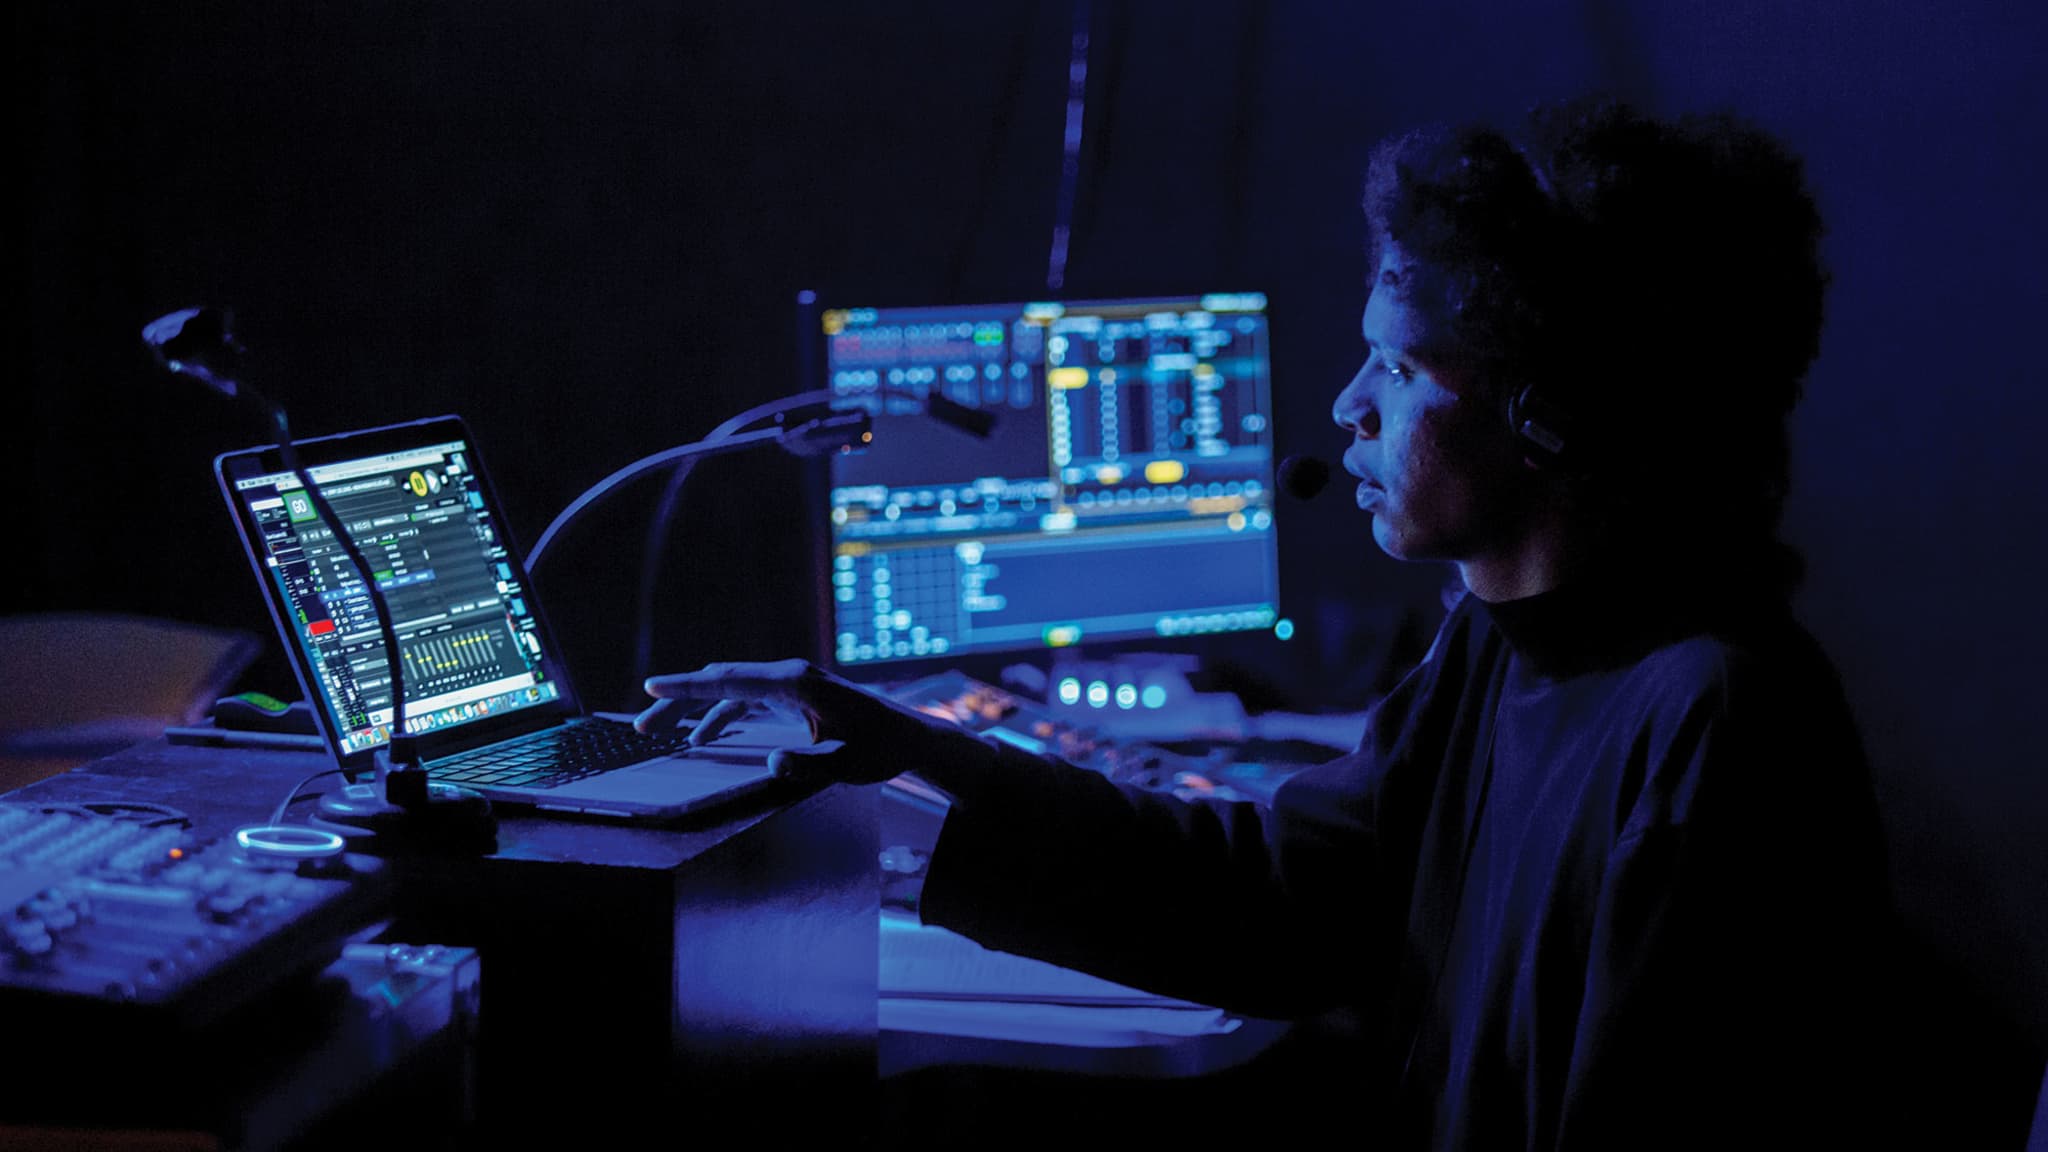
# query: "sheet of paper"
924 962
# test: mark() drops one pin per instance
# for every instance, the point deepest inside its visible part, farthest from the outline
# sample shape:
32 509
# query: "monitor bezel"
998 665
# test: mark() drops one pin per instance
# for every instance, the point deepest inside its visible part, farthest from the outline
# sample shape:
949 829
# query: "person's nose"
1354 410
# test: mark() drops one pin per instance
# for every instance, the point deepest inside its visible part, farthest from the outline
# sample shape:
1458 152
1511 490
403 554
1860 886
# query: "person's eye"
1399 372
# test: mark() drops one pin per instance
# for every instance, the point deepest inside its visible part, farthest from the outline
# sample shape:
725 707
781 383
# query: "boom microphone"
1302 477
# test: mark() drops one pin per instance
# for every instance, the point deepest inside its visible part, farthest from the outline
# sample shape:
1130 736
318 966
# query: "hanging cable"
1238 155
994 145
653 548
660 524
1070 161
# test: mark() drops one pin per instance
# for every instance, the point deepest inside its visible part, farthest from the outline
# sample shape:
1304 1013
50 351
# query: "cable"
1251 42
1070 161
1109 50
660 523
651 549
399 750
994 143
277 817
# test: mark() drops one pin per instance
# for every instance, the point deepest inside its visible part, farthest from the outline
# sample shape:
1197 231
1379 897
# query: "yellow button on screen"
1062 636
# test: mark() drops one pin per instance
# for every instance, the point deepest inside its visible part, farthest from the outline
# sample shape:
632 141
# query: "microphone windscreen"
1302 477
198 343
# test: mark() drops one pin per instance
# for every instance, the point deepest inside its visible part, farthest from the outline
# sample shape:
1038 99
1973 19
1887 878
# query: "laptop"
487 694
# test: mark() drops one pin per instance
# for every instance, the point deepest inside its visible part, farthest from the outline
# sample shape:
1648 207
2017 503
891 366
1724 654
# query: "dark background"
584 227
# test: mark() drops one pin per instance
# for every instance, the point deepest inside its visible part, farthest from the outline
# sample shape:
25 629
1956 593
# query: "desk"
630 975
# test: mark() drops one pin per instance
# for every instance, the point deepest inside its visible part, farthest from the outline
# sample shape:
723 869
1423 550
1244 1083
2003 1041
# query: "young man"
1605 869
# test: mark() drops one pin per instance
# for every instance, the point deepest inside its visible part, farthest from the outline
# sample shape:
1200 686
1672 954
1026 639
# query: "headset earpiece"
1540 426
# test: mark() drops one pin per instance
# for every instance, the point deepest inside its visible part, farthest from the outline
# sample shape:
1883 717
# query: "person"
1604 870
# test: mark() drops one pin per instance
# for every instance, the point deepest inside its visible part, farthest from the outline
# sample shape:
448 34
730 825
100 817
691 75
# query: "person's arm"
1259 910
1286 911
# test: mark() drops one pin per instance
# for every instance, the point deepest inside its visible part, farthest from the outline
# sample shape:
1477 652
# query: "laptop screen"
470 646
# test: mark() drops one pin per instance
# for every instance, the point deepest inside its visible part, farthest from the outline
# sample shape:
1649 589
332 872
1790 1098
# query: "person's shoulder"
1759 699
1747 728
1760 682
1746 662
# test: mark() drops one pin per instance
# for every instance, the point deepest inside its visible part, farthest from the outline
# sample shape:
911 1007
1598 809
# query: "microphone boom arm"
401 750
825 431
844 415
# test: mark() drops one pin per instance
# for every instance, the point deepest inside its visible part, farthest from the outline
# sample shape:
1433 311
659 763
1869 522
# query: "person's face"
1437 465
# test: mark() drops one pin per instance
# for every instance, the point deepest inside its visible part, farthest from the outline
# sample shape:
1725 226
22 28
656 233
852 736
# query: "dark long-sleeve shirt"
1602 872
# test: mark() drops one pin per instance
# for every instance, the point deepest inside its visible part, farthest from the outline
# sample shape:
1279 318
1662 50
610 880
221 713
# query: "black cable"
992 151
1112 48
653 549
1237 174
788 414
400 747
277 817
1070 156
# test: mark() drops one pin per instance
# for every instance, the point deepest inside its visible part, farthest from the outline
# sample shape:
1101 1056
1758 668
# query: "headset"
1539 423
1544 429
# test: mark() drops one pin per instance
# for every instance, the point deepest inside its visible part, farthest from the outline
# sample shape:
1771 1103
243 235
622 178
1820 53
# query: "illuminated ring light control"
284 842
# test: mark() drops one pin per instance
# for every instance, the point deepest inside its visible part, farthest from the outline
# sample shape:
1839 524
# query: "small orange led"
177 853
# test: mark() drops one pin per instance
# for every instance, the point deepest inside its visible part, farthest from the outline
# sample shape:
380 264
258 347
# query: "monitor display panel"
1125 492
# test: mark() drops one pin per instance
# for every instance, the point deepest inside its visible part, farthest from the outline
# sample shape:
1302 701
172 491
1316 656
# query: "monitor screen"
1125 492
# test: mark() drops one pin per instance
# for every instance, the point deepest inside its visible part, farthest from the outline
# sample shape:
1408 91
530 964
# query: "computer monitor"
1125 494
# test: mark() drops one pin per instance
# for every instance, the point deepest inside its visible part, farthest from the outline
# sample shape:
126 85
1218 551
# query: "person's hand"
857 736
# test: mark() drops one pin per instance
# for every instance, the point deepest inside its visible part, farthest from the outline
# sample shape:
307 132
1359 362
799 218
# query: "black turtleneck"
1604 871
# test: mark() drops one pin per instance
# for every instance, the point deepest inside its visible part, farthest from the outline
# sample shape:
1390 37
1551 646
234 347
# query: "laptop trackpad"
671 779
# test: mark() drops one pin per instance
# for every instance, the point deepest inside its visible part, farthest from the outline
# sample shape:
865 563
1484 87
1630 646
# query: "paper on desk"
923 962
940 983
1089 1026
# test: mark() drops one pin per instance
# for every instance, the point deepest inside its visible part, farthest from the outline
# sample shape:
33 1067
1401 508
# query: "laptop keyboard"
557 756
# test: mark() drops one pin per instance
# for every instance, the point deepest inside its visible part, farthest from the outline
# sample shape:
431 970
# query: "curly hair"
1657 280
